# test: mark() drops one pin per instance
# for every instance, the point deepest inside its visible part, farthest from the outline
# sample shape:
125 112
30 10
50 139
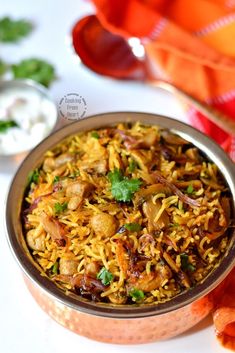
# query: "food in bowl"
127 214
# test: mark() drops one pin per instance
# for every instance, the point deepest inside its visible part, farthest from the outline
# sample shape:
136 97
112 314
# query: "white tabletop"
24 327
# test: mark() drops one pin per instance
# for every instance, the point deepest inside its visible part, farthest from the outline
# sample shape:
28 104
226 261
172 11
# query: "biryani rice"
77 231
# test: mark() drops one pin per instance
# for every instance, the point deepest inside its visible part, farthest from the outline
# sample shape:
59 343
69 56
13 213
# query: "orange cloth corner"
192 42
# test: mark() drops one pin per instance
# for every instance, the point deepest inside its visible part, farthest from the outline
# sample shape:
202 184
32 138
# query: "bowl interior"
34 159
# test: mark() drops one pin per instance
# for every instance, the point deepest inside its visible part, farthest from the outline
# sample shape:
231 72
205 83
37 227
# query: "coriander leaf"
125 189
95 134
132 166
35 69
105 276
115 176
136 294
185 264
55 268
190 189
56 179
122 188
60 207
14 30
6 124
133 227
33 176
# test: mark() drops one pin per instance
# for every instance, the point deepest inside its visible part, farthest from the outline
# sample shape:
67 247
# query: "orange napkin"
191 43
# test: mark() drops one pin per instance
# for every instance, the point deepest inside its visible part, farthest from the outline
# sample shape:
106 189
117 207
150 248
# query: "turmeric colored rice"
126 214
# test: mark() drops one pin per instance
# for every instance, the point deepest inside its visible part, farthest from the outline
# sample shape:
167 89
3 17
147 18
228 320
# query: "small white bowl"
36 115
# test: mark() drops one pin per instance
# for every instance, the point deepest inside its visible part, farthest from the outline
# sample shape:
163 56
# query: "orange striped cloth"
192 43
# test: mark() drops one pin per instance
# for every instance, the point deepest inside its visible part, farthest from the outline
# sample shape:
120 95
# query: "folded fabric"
190 43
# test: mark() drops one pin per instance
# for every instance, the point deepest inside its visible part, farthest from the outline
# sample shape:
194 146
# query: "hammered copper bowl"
106 322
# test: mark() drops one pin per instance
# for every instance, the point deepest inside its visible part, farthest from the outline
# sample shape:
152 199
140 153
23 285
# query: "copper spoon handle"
220 119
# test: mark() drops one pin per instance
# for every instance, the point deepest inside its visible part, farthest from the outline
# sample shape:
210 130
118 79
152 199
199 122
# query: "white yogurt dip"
33 112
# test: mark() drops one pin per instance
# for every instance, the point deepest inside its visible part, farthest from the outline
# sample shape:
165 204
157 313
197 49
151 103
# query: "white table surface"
24 327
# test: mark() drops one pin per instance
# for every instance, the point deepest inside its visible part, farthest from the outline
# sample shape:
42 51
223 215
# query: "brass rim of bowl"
34 159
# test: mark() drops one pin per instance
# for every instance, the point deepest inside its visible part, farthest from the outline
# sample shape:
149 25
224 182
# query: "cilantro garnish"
55 268
6 124
56 179
95 135
185 264
136 294
105 276
14 30
35 69
190 189
133 227
33 176
60 207
123 188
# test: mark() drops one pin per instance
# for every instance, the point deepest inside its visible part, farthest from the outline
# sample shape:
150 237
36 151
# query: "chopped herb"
132 166
33 176
60 207
105 276
14 30
122 187
6 124
190 189
133 227
136 294
35 69
55 268
56 179
185 264
95 135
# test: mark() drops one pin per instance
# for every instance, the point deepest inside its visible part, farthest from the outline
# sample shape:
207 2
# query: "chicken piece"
68 266
51 163
81 187
77 191
92 269
74 202
151 210
100 167
54 228
36 241
104 224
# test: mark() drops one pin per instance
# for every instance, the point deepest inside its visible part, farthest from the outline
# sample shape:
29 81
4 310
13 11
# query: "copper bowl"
106 322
